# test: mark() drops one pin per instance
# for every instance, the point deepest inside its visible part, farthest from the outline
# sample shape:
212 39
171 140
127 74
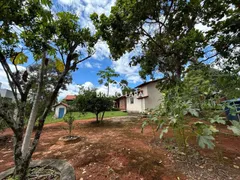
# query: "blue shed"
60 110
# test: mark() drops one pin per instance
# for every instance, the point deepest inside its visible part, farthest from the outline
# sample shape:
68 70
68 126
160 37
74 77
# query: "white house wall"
57 110
137 106
154 96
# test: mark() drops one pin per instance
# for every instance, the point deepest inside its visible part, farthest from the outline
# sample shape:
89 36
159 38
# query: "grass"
79 116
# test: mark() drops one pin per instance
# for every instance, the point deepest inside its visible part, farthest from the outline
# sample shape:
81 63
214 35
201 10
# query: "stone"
235 166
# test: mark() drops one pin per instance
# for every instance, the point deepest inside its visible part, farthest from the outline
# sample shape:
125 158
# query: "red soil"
117 150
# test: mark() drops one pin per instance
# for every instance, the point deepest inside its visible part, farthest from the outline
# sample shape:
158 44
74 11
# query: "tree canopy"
168 35
89 100
106 77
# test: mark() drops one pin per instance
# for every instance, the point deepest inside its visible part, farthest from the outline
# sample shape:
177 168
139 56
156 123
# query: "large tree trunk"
33 115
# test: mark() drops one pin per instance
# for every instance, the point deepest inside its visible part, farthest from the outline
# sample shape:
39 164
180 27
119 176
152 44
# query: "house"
146 96
121 103
60 110
69 98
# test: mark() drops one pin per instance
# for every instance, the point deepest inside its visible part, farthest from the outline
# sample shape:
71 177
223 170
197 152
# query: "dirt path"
113 150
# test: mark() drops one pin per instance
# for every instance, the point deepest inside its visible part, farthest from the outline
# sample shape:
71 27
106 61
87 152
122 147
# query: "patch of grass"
78 116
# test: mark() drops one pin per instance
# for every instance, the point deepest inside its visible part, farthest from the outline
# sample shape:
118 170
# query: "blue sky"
86 74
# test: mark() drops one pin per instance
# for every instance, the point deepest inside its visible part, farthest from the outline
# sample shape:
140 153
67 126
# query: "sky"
86 75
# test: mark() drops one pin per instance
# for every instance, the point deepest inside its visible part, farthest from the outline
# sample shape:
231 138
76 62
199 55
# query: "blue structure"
232 109
61 113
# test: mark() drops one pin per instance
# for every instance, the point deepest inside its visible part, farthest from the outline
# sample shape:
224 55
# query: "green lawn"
79 116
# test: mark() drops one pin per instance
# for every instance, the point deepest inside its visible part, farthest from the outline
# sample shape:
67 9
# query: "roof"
146 83
61 103
70 97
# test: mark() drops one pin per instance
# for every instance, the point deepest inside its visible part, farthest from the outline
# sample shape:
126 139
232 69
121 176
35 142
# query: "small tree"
89 101
69 119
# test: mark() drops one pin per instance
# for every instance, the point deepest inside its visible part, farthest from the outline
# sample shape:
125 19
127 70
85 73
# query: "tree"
89 101
60 39
69 119
106 77
222 16
124 87
50 80
168 47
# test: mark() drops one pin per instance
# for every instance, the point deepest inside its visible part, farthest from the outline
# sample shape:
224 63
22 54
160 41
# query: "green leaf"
19 59
217 119
235 128
59 65
213 129
206 141
165 130
193 112
143 125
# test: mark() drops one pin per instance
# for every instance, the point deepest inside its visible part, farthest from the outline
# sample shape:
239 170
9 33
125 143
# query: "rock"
134 161
81 179
225 157
201 167
182 153
235 166
210 169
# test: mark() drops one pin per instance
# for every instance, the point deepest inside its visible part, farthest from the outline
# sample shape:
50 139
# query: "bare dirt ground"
117 149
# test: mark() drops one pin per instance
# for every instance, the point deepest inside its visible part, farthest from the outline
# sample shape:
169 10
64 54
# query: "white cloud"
88 85
102 51
83 9
113 89
122 67
88 64
73 89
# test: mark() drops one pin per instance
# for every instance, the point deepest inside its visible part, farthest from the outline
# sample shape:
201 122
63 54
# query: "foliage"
89 101
106 77
173 114
28 29
124 87
167 27
7 108
50 78
69 119
167 35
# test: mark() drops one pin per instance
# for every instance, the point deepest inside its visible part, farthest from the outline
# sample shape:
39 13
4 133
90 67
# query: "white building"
60 110
147 96
6 93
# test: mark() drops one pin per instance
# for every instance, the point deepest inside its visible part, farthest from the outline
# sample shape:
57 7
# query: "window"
131 100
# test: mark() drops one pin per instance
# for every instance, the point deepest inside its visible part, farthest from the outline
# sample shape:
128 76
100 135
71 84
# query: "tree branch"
8 70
